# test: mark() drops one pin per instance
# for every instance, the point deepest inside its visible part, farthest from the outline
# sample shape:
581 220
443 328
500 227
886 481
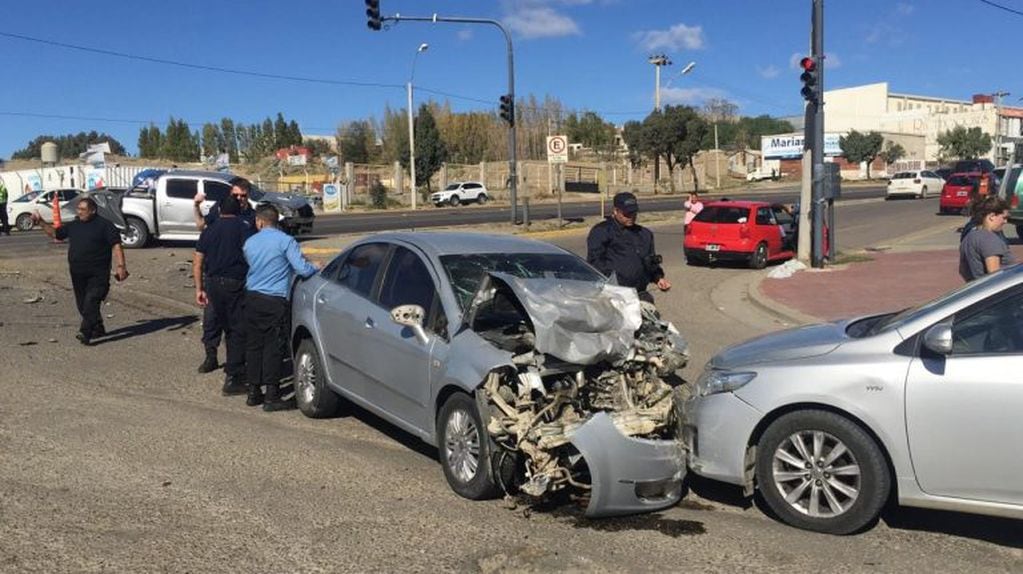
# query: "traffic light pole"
817 41
512 144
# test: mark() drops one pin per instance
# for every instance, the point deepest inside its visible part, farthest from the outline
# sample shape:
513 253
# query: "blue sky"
590 54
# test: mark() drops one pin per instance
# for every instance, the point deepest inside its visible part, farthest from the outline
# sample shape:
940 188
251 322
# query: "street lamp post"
412 126
998 124
658 61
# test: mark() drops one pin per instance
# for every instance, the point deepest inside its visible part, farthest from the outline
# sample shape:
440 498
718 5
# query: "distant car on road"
458 193
827 420
761 175
1014 195
754 232
944 172
957 192
918 184
20 211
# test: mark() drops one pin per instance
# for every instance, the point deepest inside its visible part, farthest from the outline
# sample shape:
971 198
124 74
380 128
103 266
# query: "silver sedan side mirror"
411 316
939 338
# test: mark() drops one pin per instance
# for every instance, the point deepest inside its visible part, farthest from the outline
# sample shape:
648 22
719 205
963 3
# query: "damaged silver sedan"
520 362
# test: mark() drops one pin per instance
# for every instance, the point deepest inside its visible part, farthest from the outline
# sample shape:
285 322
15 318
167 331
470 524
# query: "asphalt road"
121 458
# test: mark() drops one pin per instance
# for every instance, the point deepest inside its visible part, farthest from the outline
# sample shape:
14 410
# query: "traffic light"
373 14
508 109
809 78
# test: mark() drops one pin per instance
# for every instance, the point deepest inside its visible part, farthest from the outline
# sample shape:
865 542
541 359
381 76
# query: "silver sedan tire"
465 448
820 471
313 395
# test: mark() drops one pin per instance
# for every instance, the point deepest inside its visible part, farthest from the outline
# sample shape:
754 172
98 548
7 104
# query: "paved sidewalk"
913 270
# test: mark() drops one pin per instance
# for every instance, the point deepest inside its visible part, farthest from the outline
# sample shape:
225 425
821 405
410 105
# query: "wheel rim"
462 445
130 235
816 474
24 222
761 255
305 378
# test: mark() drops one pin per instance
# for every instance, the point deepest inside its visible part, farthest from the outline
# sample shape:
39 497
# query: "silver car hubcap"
816 474
305 378
462 445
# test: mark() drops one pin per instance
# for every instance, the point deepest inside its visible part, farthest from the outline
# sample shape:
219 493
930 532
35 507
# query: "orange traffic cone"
56 214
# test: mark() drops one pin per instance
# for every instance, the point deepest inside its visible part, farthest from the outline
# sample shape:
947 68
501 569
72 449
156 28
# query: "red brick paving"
890 282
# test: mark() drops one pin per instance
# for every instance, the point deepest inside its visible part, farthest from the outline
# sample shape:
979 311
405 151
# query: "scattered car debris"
32 299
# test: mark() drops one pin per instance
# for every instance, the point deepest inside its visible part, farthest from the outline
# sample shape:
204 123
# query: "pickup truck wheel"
465 448
454 201
312 394
820 471
24 222
136 235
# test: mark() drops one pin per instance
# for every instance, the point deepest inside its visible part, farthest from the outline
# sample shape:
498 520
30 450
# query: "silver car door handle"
321 299
370 324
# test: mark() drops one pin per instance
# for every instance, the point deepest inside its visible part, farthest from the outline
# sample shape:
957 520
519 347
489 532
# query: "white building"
873 108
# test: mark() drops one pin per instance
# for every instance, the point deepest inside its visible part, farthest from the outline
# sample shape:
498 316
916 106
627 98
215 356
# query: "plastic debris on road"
787 269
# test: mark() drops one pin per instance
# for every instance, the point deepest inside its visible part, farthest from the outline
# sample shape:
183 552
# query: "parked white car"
20 210
919 184
761 175
463 192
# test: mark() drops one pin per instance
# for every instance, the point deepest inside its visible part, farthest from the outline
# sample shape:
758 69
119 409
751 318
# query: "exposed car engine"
578 349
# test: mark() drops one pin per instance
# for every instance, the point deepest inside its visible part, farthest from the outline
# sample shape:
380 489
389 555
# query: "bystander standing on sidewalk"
219 270
984 250
273 257
93 242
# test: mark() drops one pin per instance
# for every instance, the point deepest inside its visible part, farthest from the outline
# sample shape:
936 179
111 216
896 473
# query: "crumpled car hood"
579 322
285 199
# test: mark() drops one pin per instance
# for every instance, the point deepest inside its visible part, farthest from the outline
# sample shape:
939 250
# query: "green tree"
294 133
212 140
150 142
675 134
892 152
633 135
230 136
430 149
68 145
857 146
591 131
962 143
355 139
281 135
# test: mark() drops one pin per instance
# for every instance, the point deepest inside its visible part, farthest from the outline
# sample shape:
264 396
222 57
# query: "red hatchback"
957 192
754 232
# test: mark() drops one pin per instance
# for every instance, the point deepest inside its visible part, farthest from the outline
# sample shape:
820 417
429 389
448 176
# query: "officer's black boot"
234 385
274 401
209 364
255 397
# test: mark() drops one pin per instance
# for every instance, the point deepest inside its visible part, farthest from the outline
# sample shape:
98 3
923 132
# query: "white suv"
463 192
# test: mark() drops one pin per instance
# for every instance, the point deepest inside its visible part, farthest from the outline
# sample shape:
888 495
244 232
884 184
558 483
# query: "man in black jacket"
619 245
93 243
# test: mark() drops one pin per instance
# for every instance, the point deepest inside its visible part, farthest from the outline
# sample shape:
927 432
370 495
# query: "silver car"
828 421
528 370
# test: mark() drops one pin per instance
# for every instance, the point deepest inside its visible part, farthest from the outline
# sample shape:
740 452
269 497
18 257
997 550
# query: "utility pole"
998 125
375 22
658 61
717 158
412 126
818 137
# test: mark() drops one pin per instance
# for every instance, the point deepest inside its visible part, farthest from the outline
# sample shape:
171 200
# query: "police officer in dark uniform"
219 270
211 325
619 245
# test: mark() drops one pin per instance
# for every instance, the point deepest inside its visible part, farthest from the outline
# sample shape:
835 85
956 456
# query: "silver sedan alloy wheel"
305 378
462 445
816 474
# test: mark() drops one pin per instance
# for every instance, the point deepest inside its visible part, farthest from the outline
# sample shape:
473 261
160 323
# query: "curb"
772 307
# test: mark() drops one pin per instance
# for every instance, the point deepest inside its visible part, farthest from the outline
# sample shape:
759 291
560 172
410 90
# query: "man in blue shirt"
219 270
212 326
273 257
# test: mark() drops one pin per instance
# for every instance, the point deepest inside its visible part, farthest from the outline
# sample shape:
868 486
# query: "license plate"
962 193
713 247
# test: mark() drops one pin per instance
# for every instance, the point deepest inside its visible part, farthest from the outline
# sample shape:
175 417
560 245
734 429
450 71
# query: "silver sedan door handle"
370 324
321 299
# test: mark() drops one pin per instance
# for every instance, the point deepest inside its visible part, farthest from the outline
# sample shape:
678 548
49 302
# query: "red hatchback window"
722 214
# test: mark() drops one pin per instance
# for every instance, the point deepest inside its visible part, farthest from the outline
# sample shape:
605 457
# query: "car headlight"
712 382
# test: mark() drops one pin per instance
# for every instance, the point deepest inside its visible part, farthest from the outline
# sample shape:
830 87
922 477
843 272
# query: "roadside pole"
805 197
818 136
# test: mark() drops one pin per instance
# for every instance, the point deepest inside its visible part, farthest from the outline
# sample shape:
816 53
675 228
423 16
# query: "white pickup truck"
761 174
165 209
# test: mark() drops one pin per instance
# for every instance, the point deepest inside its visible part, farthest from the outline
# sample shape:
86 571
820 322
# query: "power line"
1000 7
199 66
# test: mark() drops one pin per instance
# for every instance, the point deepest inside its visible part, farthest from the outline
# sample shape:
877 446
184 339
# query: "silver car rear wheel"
817 474
313 395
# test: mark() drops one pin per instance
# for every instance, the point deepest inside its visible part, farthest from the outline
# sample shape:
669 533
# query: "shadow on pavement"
1001 531
407 439
146 327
